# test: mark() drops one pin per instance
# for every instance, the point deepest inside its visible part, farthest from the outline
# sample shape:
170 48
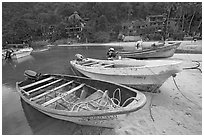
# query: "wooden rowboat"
145 75
160 51
80 100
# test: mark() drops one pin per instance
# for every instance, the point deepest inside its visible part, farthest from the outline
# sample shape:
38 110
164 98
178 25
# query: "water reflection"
42 124
15 62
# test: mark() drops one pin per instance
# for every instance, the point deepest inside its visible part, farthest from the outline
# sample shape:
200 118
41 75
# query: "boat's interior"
71 94
127 63
112 64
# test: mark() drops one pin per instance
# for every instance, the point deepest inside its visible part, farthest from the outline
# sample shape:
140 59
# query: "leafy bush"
36 44
177 36
102 37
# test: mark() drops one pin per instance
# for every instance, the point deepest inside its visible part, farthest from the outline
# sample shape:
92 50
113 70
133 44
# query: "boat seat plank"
37 82
89 64
46 85
108 65
62 95
49 91
86 62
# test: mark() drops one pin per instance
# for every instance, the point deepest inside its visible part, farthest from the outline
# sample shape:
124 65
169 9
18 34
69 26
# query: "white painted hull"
101 121
22 54
110 121
142 77
19 53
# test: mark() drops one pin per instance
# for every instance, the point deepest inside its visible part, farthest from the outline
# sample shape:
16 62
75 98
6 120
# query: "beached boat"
155 50
80 100
146 75
17 51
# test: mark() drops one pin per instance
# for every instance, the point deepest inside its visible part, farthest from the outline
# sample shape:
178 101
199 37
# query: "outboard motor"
32 75
79 57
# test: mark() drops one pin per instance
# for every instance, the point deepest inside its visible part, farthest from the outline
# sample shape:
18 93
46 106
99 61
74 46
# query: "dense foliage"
30 21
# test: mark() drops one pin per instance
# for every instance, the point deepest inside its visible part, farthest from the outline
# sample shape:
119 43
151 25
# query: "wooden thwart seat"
89 64
63 95
108 65
37 82
86 62
46 85
49 91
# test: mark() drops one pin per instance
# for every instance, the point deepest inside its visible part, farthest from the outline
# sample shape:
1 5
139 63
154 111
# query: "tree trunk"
183 22
199 24
189 27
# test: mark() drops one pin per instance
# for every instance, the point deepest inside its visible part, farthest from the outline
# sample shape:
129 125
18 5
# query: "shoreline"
189 47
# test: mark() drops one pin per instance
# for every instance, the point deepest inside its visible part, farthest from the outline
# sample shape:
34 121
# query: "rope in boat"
134 98
113 98
182 93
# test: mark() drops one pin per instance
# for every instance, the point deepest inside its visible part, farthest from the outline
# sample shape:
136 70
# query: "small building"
155 21
75 25
134 28
131 38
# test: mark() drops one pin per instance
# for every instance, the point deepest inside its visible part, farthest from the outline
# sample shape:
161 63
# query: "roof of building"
132 38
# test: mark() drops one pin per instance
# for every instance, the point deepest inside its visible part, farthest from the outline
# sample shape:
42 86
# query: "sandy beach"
173 111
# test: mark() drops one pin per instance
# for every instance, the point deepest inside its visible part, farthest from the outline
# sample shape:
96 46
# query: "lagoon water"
20 118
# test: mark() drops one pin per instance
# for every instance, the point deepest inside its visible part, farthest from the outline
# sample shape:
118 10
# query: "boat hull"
109 121
142 83
19 53
160 52
141 78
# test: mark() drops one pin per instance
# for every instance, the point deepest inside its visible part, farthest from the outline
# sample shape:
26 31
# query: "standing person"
111 53
8 54
138 45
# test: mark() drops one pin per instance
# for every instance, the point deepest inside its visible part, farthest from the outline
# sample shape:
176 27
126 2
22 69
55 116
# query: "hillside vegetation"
31 21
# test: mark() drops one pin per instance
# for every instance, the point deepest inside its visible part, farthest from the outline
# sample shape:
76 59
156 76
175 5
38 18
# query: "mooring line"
196 67
150 110
183 94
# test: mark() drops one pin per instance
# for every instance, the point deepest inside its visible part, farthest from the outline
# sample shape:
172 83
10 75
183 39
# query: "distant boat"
145 75
155 50
80 100
16 51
